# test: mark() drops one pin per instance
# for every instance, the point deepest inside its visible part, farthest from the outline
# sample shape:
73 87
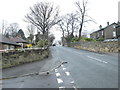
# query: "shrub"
46 42
75 39
101 39
40 43
87 39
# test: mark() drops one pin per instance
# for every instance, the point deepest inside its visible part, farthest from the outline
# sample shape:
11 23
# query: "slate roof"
18 40
5 40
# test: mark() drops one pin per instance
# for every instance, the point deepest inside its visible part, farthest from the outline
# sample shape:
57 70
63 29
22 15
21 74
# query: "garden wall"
16 57
98 46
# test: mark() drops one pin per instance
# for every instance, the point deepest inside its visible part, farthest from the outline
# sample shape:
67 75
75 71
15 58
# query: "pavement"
84 70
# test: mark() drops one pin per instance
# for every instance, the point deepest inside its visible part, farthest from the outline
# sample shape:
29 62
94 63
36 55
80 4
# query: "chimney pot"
108 23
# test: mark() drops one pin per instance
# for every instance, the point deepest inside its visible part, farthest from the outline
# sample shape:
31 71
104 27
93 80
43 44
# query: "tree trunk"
80 30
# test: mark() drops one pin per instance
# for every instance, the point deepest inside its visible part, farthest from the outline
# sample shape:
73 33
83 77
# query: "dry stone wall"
101 47
16 57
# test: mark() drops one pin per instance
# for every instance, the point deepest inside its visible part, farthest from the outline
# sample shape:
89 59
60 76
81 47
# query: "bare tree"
61 25
51 38
3 27
83 17
31 31
44 16
12 30
68 25
73 23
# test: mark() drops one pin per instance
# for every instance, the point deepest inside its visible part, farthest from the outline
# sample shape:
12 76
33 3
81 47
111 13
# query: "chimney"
107 23
100 26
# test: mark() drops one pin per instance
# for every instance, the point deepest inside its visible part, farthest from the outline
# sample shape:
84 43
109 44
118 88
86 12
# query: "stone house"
6 43
97 35
108 32
118 31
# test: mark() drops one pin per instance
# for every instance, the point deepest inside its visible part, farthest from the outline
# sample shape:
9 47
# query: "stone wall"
16 57
101 47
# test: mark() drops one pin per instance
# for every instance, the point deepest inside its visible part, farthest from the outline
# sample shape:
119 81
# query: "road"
84 70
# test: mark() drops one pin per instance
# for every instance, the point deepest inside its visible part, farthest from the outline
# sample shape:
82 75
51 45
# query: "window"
114 34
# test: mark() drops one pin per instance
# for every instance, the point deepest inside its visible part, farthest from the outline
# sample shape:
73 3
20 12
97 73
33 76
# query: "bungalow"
19 41
6 43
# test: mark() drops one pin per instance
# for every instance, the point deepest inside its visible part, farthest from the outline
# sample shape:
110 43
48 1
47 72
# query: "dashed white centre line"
59 80
98 60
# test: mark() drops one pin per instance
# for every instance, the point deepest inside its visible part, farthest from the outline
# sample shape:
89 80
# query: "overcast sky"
101 11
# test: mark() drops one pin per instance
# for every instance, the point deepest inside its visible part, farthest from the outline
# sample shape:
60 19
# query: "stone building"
108 32
97 35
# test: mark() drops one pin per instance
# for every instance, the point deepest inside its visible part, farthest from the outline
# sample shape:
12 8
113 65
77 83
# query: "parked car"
54 44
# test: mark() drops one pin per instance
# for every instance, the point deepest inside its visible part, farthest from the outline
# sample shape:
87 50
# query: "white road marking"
62 88
98 60
74 87
58 74
56 70
59 80
72 82
67 73
61 65
64 68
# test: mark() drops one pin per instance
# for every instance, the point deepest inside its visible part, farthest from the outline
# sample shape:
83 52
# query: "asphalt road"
84 70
